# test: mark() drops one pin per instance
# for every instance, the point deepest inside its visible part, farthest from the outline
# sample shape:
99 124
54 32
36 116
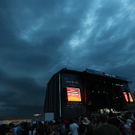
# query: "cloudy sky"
39 38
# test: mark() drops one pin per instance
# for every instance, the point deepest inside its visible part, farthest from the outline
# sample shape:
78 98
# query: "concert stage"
73 93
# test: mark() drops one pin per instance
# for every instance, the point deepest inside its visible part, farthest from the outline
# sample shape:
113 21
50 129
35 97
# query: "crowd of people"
103 124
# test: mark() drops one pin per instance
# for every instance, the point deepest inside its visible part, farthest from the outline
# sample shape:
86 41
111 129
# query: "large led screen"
73 94
125 95
130 97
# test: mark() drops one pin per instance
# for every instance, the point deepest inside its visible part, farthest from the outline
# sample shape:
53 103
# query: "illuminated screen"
130 97
125 95
73 94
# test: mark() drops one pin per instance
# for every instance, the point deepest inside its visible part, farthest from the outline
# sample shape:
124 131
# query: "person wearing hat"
105 128
88 125
85 121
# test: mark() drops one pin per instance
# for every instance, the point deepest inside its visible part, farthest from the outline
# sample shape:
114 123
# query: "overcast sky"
39 38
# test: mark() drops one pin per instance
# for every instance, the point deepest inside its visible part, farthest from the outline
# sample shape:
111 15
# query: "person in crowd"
113 120
3 129
64 127
41 130
67 130
121 123
82 129
45 126
58 126
79 119
127 127
9 132
73 127
48 128
89 126
20 129
97 122
133 124
105 128
92 122
15 129
53 130
37 127
34 131
25 129
31 130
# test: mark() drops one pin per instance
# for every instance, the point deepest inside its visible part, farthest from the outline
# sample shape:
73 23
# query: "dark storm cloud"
19 94
38 38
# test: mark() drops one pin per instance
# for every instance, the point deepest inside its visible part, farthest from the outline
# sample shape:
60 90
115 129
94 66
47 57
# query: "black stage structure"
93 90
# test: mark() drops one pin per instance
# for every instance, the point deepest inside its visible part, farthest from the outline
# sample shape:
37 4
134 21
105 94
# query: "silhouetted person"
113 120
105 128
